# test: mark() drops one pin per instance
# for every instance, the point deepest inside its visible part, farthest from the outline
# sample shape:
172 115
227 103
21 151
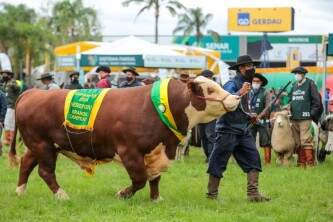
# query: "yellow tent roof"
71 49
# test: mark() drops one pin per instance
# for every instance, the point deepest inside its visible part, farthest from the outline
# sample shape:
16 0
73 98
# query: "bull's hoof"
157 200
124 194
61 195
20 190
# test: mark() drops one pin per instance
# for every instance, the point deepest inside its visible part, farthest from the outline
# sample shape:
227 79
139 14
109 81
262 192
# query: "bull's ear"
194 87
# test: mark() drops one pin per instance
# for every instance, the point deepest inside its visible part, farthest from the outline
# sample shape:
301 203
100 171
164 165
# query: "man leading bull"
233 137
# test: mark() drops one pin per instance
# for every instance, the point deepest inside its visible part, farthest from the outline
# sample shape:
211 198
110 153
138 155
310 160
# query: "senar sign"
261 19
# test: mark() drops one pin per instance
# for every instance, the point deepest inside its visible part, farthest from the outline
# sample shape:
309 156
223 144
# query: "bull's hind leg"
28 163
47 157
134 164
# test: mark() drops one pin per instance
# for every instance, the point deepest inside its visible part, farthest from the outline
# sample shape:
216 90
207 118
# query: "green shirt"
300 98
260 101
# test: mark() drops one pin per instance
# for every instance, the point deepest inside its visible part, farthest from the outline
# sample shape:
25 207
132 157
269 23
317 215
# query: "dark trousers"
207 135
242 147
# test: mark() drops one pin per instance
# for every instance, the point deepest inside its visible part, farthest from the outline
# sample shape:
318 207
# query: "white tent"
140 53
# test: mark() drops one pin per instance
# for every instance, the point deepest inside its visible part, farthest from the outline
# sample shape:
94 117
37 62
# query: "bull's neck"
184 106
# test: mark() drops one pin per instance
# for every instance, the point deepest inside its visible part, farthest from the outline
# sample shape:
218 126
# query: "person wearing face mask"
12 92
131 80
305 106
234 138
259 99
74 84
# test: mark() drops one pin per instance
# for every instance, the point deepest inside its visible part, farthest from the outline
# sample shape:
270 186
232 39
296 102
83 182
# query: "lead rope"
69 139
79 133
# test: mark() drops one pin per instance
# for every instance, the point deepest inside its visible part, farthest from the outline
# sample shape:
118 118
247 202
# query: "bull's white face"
214 109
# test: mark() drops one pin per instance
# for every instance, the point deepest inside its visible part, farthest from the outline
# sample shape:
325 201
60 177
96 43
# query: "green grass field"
297 195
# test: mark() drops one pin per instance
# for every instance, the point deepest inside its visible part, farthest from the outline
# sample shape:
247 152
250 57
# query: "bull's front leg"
133 161
154 191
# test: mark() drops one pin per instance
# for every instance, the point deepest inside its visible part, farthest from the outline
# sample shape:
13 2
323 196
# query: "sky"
311 16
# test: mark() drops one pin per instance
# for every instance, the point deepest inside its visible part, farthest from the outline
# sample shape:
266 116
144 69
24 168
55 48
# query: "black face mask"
249 73
129 78
5 78
75 79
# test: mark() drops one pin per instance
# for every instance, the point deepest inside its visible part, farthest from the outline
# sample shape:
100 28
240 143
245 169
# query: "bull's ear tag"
161 107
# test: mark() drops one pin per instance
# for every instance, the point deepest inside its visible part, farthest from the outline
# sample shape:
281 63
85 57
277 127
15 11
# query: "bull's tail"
12 157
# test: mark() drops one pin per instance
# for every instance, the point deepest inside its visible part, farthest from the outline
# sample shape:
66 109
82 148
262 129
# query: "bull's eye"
210 90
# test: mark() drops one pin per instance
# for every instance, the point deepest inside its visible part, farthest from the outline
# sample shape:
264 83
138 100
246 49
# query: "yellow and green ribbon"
159 97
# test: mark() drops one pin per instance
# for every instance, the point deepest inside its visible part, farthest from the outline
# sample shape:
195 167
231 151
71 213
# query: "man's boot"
301 157
213 187
253 194
267 155
309 156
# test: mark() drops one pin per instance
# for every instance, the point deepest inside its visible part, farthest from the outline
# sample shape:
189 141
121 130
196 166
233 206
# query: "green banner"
227 45
330 45
291 39
112 60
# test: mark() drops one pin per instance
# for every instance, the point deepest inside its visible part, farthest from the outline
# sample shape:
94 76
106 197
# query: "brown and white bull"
127 127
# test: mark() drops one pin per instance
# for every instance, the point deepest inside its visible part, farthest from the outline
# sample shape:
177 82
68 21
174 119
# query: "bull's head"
216 101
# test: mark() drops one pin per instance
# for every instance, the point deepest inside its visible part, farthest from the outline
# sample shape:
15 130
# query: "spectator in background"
131 80
207 130
12 90
305 106
47 80
259 99
91 81
327 99
104 76
74 84
3 109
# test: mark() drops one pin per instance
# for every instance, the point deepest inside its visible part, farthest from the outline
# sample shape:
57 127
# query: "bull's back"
41 107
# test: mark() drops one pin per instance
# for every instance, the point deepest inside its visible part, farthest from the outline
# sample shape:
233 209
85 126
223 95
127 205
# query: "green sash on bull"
159 97
81 107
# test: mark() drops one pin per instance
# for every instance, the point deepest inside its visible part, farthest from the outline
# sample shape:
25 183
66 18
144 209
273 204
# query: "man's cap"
103 68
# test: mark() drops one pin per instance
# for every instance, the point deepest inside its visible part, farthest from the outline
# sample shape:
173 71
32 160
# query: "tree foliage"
28 38
171 5
195 21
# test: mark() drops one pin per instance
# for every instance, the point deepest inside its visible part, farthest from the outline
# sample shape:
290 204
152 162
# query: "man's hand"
245 89
254 118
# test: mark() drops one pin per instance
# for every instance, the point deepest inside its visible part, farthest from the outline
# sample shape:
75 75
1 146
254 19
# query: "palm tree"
171 5
195 21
